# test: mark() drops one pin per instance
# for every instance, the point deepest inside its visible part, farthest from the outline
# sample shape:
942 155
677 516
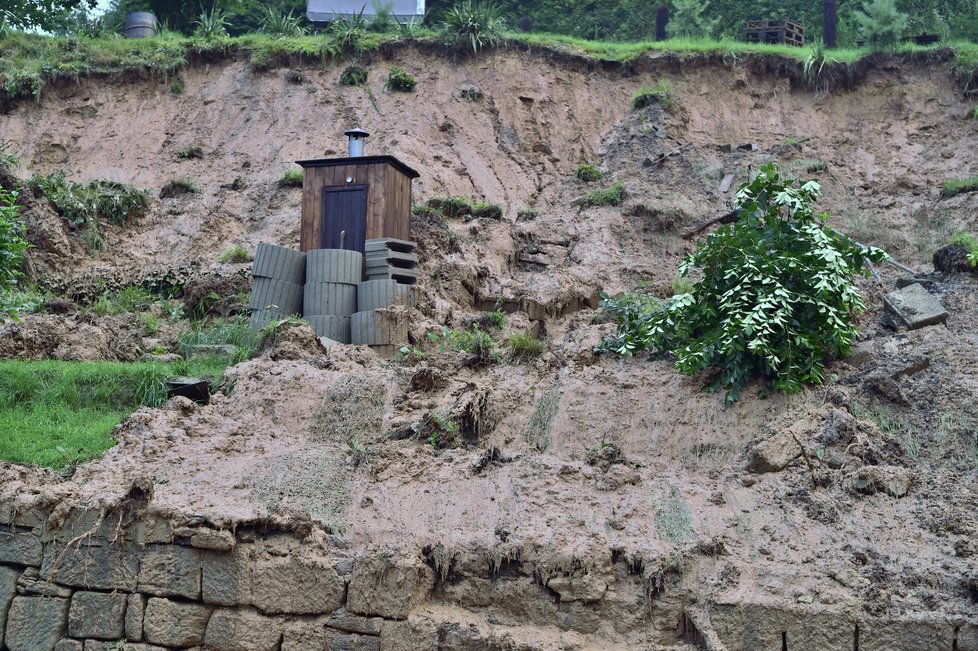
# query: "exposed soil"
576 464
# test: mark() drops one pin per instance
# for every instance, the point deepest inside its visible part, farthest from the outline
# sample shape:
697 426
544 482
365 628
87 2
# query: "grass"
588 173
354 75
486 210
523 347
611 196
56 414
180 185
223 332
662 94
291 178
84 204
450 206
969 243
235 255
538 430
191 151
953 187
128 299
400 81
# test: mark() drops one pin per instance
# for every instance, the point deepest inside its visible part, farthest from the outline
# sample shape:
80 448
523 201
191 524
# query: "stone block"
35 623
912 307
304 635
338 299
344 620
171 571
334 266
227 577
242 630
340 641
773 454
135 611
968 637
97 615
8 588
755 626
119 645
20 548
93 566
409 635
69 645
388 587
169 623
297 586
913 633
277 296
222 541
30 583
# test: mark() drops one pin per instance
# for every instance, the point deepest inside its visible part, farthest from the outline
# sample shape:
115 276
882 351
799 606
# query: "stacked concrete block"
376 294
279 274
330 295
387 258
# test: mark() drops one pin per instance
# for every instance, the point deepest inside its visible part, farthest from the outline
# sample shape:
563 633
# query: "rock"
169 623
388 587
927 281
297 586
590 587
68 645
8 588
892 480
242 630
97 566
162 358
910 632
410 635
339 641
211 350
135 611
97 614
222 541
968 638
30 583
774 453
344 620
171 571
227 577
20 548
952 259
35 623
911 308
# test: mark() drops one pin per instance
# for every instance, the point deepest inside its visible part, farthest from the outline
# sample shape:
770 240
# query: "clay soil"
576 463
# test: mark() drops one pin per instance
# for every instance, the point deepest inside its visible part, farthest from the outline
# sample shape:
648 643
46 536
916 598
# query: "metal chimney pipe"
356 136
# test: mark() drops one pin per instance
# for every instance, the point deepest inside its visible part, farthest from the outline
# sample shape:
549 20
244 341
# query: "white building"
322 11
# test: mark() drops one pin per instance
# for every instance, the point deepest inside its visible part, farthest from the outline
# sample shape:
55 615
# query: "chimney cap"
356 133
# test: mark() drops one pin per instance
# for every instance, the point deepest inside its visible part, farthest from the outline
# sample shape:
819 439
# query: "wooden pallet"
786 32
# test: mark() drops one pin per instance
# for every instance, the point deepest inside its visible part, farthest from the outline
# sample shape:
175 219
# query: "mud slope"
594 502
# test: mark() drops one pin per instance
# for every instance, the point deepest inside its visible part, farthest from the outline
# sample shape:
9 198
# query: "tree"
47 15
687 19
881 24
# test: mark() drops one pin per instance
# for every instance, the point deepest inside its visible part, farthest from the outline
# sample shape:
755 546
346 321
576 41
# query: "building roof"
325 10
361 160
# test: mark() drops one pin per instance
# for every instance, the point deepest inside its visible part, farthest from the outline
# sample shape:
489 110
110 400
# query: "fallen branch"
649 162
727 218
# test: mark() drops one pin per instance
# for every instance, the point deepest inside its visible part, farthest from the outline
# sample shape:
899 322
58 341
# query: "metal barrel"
140 24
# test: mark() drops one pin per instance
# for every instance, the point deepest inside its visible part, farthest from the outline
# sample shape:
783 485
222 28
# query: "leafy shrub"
523 347
349 33
686 19
775 300
438 429
84 205
450 206
493 319
473 22
588 173
954 187
881 24
10 159
12 249
235 255
815 64
191 151
611 196
176 87
400 81
662 93
354 75
487 210
278 23
291 178
211 25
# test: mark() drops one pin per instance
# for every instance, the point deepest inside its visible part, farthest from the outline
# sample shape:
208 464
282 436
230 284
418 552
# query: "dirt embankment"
610 483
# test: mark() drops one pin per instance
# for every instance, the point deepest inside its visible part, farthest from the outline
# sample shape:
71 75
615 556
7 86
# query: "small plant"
493 319
85 206
588 173
291 178
438 429
811 166
400 81
408 355
662 94
150 323
131 299
881 24
954 187
349 33
357 450
159 349
969 243
354 75
610 196
476 23
179 185
450 206
476 342
235 255
815 66
191 151
775 300
523 347
211 25
527 214
176 87
9 159
278 23
13 246
538 430
486 210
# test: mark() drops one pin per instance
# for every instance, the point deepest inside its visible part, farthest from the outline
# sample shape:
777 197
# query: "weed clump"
662 94
610 196
450 206
191 151
969 243
478 343
438 429
523 347
588 173
291 178
13 246
486 210
235 255
84 204
953 187
354 75
178 186
475 23
400 81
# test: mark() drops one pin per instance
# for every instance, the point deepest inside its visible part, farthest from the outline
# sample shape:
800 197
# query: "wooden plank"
401 217
307 218
376 199
317 208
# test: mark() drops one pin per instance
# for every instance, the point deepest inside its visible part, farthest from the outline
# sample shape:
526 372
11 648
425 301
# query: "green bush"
180 185
686 19
523 347
278 23
662 94
954 187
588 173
354 75
349 33
13 246
476 342
487 210
292 178
400 81
83 205
235 255
775 299
450 206
211 25
475 23
228 332
610 196
881 24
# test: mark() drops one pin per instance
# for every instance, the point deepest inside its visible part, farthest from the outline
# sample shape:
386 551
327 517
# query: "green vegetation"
60 413
292 178
687 19
450 206
775 298
969 243
954 187
815 69
476 342
527 214
128 299
279 23
13 246
191 151
400 81
881 24
83 205
487 210
523 347
588 173
438 429
408 355
661 94
349 34
235 255
211 25
229 332
475 23
180 185
610 196
538 431
176 87
494 319
354 75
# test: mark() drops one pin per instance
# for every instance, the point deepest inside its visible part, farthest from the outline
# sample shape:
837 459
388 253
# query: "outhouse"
346 201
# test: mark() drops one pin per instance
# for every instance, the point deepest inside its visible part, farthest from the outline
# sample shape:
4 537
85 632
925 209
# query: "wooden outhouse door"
345 217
